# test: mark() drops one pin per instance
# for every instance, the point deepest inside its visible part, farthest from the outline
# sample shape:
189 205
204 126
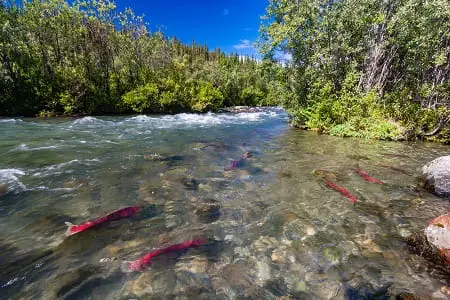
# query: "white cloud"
286 56
244 44
225 11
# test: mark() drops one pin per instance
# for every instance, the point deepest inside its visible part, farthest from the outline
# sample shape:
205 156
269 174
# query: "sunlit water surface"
280 230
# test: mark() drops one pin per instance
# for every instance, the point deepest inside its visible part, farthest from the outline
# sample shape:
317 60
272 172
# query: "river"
272 226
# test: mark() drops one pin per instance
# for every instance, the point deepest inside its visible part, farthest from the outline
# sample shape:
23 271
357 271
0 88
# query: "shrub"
143 98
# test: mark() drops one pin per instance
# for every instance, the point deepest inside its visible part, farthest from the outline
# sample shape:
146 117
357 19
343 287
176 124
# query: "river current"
272 226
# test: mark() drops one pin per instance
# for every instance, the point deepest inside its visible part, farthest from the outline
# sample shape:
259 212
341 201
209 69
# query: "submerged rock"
438 235
62 284
73 184
289 216
436 176
141 285
418 244
3 189
195 265
264 244
434 243
158 157
326 174
408 296
278 257
190 183
208 210
262 271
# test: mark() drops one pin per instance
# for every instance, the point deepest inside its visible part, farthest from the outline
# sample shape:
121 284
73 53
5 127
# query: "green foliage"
358 65
85 57
252 95
67 101
368 128
143 99
206 97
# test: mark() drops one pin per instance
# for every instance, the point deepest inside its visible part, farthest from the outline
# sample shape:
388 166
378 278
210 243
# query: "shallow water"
280 230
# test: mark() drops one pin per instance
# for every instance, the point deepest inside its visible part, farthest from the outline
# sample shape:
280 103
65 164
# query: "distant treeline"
85 57
368 68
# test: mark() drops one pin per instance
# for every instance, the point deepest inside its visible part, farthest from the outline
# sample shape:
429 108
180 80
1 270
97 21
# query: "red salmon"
343 191
367 177
141 263
235 163
122 213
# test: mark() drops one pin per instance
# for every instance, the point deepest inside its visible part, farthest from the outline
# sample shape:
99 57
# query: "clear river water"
272 226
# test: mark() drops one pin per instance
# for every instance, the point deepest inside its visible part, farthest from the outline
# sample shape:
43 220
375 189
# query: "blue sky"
230 25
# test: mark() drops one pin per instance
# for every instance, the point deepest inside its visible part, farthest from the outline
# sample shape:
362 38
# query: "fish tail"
125 266
135 265
69 228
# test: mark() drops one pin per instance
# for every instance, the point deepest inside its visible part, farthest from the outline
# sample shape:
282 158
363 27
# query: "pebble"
325 174
390 255
289 217
172 221
278 257
332 254
300 286
196 265
264 243
112 250
73 184
263 271
242 252
208 210
151 157
190 183
445 290
404 233
330 290
142 285
163 282
236 274
439 295
204 187
371 245
310 231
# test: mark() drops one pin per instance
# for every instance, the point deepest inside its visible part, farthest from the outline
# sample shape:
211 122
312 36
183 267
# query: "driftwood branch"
438 127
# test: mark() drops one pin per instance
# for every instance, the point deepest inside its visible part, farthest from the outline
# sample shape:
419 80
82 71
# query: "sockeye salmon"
235 163
367 177
343 191
144 261
122 213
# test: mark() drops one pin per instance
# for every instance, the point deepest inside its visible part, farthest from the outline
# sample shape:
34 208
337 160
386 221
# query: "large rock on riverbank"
434 243
436 176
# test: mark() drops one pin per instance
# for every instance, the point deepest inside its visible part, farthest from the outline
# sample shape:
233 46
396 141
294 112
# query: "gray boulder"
436 175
